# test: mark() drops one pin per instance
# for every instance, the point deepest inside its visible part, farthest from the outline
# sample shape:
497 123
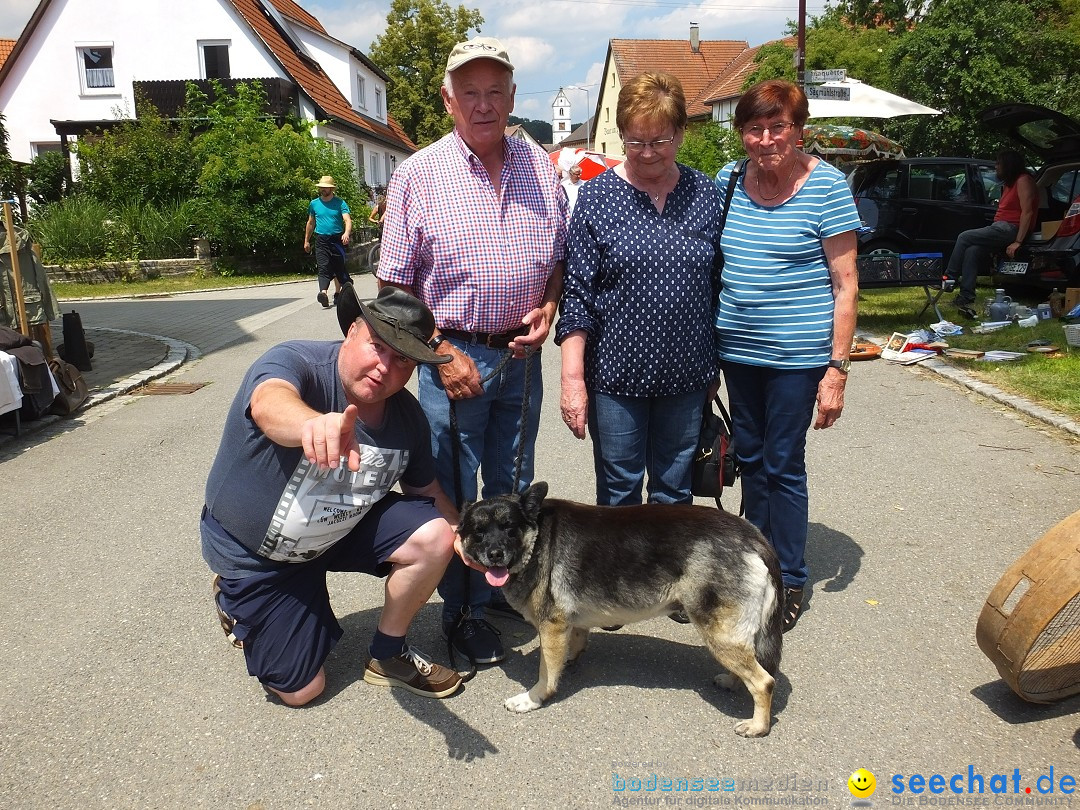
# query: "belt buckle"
489 338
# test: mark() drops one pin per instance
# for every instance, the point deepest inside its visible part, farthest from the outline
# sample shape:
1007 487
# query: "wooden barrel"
1030 624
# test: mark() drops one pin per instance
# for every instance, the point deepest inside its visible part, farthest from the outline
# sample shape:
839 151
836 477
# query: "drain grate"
167 388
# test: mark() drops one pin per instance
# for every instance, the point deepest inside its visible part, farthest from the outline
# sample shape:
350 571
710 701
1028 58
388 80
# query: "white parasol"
866 101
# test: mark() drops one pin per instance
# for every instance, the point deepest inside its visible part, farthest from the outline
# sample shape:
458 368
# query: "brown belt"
493 340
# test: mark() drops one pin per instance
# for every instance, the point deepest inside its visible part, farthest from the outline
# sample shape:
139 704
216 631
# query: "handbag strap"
740 167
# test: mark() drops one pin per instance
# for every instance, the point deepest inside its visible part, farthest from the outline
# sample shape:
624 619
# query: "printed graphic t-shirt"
271 506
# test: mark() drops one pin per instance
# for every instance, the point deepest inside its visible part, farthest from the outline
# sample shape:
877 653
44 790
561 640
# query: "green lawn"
172 284
1050 380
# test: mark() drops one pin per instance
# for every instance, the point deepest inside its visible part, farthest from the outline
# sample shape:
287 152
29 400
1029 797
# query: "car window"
1066 187
886 186
945 182
990 183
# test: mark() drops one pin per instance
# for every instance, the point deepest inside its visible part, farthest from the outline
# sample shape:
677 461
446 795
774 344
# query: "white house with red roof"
78 65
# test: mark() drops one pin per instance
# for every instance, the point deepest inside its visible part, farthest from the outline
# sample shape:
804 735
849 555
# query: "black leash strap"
455 450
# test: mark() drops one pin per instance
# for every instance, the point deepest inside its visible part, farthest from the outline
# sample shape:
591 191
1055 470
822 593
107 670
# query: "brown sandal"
793 603
227 621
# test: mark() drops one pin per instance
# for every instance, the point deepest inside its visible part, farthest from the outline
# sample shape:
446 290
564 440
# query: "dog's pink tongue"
496 577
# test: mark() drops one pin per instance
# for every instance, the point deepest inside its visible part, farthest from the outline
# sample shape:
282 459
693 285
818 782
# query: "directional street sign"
828 93
834 75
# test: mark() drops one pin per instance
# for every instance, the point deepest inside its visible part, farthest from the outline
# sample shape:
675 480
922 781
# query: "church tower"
560 118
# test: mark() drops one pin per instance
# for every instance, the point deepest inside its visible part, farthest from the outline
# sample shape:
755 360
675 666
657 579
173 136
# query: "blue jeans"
972 252
771 410
635 435
490 429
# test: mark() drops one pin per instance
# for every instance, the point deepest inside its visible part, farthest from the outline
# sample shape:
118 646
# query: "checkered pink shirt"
479 262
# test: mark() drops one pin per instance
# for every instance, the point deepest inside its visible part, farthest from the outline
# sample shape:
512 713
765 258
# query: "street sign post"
823 93
833 75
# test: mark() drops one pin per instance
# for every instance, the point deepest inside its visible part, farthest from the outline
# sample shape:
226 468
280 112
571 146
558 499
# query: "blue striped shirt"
776 306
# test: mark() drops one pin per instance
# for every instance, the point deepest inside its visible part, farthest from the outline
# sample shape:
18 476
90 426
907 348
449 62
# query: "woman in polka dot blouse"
636 326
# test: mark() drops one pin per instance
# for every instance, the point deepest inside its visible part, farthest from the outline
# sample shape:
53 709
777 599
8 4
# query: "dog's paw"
748 728
725 680
522 703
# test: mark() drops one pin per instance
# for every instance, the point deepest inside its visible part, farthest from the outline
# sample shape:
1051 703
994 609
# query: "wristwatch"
844 365
436 342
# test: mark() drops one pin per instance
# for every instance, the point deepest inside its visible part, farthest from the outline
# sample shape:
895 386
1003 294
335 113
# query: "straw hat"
326 181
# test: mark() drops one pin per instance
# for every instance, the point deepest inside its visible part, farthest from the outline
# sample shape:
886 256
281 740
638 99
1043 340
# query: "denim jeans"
490 429
971 253
635 435
771 410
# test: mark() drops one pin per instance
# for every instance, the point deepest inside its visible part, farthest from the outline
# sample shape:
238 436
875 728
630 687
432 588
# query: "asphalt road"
121 692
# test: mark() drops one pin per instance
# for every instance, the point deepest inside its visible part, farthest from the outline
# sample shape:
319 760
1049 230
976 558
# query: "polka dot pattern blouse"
643 285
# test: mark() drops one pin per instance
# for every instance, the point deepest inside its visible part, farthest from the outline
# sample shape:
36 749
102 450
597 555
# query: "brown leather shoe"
414 672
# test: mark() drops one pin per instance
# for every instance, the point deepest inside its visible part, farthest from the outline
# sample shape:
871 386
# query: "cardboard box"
1072 298
1050 229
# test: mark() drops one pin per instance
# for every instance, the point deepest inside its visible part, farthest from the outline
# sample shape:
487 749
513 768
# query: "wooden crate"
1030 624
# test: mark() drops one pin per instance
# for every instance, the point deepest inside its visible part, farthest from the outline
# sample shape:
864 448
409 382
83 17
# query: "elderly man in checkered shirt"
475 226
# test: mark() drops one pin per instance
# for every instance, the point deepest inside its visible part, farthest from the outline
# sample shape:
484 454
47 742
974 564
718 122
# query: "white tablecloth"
10 392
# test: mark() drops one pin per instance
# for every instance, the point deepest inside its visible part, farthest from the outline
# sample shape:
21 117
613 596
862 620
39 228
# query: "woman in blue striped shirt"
786 315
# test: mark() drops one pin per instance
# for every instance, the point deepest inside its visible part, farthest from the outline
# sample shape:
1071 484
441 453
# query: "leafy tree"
967 55
709 146
145 160
413 51
255 179
9 172
47 178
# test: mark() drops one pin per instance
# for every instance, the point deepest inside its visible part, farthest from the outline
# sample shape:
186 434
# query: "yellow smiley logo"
862 784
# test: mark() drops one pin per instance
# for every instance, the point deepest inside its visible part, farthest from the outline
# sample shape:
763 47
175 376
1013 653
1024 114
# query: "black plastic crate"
878 268
920 267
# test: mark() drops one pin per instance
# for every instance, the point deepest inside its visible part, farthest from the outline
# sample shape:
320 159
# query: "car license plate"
1013 268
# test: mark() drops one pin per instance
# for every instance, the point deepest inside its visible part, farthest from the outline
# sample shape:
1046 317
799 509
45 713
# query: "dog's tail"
768 640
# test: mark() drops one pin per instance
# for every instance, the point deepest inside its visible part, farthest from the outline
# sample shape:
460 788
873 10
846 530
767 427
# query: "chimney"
695 38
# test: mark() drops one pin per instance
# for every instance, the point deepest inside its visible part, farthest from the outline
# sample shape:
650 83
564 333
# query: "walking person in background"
786 315
475 227
331 222
571 185
639 298
1015 219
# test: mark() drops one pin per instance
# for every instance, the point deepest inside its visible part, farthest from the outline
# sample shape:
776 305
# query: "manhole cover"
168 388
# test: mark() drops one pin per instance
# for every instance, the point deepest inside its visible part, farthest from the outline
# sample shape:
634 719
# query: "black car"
920 205
1055 138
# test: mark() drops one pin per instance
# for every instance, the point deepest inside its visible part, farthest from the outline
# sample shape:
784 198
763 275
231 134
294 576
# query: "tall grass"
80 229
71 230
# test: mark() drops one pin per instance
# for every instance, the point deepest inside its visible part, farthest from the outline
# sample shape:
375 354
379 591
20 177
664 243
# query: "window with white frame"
378 102
96 68
373 178
214 59
335 145
48 146
361 92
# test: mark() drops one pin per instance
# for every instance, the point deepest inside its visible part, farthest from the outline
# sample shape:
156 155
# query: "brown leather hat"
400 320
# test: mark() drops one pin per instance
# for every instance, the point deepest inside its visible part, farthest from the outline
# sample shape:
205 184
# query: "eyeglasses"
775 130
656 146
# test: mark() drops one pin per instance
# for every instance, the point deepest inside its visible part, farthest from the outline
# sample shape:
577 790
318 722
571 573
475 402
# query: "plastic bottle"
1057 303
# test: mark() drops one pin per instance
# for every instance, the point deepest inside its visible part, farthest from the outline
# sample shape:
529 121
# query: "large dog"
568 567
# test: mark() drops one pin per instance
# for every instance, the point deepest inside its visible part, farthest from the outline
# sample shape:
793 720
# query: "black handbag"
714 466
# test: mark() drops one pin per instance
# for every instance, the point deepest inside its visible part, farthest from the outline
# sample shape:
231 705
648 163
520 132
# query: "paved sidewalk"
124 693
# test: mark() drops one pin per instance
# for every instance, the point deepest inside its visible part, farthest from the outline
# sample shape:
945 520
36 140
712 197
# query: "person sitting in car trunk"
1014 220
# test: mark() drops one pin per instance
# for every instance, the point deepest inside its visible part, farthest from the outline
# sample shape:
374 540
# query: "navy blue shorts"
284 617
